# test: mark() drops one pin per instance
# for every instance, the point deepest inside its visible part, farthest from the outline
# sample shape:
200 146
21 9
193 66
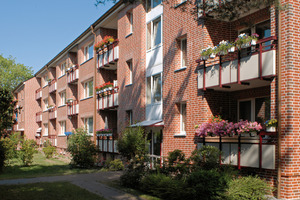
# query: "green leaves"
12 73
6 109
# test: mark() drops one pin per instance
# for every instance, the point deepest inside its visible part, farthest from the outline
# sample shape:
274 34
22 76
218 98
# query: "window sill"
182 134
90 134
128 85
45 86
128 35
180 4
45 135
62 106
61 76
86 61
181 69
153 48
61 136
45 111
86 98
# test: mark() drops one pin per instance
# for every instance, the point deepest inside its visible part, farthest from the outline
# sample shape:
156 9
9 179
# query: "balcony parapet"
52 86
39 116
73 108
38 94
108 99
73 73
52 113
108 57
251 67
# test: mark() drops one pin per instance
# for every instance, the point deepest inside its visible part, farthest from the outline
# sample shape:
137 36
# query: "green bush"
49 151
131 178
82 149
11 144
164 187
207 157
2 155
252 188
114 165
28 149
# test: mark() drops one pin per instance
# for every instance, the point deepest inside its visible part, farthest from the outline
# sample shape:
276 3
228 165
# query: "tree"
6 110
12 73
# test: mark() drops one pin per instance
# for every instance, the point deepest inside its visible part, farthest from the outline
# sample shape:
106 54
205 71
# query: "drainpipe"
279 105
94 81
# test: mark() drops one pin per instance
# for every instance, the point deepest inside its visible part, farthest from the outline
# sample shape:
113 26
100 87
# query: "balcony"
107 58
108 99
52 86
39 117
38 94
53 113
245 69
73 74
73 108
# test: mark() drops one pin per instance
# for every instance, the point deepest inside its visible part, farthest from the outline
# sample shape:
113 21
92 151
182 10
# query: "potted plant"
254 38
243 41
70 100
214 52
205 53
222 48
49 107
271 125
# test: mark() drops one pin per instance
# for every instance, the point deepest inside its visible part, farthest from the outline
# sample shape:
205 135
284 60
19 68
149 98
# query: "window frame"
152 39
130 18
63 69
62 124
130 66
148 9
63 103
86 122
46 133
152 89
86 53
45 80
181 53
46 104
181 117
87 90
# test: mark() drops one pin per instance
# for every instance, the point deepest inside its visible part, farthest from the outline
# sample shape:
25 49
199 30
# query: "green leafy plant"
114 165
250 187
48 149
82 149
2 155
207 157
28 149
10 144
271 123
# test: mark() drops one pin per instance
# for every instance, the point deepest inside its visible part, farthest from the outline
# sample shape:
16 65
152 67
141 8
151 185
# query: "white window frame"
152 90
62 128
46 104
86 54
86 89
63 69
129 63
46 131
62 98
252 108
45 80
181 52
130 21
152 46
87 126
183 131
151 5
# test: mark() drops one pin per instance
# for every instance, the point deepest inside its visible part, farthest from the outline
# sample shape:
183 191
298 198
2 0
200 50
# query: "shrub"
114 165
28 149
250 187
82 149
177 163
11 144
207 157
163 186
2 155
131 178
49 151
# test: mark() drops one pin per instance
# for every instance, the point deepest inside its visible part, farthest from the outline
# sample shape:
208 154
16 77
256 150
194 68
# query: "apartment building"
157 81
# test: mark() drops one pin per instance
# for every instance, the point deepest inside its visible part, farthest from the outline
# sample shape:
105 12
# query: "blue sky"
34 31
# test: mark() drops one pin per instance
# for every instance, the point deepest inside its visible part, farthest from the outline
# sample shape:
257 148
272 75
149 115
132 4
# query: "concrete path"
90 182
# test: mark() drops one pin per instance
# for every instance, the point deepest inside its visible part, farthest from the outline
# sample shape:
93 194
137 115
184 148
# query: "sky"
35 31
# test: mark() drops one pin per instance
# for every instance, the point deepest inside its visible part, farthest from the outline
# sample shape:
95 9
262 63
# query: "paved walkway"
90 182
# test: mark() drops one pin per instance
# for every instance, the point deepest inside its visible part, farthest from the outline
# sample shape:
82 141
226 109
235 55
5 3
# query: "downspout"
95 99
279 105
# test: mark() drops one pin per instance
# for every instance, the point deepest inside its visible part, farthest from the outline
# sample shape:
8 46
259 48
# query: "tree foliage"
12 73
6 109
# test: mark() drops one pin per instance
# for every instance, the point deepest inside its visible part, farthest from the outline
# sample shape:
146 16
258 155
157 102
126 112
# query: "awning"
149 123
68 133
39 130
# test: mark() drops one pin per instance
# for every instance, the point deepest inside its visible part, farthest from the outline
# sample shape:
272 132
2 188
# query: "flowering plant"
104 86
271 123
219 127
223 47
104 131
242 39
106 41
254 36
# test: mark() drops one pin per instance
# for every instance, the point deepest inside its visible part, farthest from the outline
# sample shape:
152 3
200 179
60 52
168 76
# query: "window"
63 98
88 89
183 47
88 52
62 69
152 4
62 127
88 125
129 117
154 33
182 118
45 80
154 89
130 22
46 130
45 104
129 64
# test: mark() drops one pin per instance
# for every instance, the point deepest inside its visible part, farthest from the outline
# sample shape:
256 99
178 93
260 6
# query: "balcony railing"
53 113
73 74
108 57
39 117
247 68
38 94
73 108
108 99
52 86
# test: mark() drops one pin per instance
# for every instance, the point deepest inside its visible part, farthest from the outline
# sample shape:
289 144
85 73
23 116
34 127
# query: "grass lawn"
41 167
46 191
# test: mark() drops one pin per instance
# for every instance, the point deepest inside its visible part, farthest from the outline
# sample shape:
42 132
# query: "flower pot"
110 88
271 129
231 49
222 53
245 45
212 55
204 57
253 42
70 101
